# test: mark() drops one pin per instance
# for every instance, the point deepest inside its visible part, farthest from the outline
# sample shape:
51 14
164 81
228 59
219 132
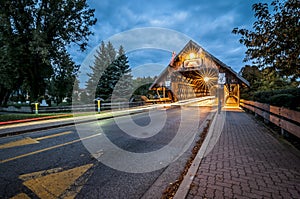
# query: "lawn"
6 117
23 116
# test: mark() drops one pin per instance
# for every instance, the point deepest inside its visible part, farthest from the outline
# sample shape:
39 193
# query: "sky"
158 27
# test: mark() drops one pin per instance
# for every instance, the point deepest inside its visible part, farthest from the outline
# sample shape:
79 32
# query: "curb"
19 130
34 119
189 177
62 124
154 191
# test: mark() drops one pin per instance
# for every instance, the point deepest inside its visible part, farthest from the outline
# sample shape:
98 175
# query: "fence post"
36 108
98 105
284 133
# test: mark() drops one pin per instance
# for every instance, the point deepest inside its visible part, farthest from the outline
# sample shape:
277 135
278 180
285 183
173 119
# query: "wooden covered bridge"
194 72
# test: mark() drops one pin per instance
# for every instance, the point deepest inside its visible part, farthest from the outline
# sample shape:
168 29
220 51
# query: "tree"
61 82
271 80
124 84
34 37
111 74
263 80
97 69
102 69
274 42
252 74
109 67
76 90
142 84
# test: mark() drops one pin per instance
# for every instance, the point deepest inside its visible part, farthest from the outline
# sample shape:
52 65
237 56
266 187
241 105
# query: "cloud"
150 37
208 23
148 56
146 70
168 20
141 39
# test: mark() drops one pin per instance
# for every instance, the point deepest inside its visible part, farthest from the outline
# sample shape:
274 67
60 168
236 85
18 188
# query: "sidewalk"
247 162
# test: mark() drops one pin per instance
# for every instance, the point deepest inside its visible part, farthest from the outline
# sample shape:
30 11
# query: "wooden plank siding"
286 119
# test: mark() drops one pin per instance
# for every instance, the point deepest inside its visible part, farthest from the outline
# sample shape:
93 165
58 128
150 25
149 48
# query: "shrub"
289 98
286 100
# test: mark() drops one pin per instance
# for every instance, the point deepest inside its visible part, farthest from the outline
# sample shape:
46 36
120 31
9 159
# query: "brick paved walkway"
247 162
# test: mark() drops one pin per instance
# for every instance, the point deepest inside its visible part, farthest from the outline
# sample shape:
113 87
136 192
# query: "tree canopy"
34 36
274 41
263 80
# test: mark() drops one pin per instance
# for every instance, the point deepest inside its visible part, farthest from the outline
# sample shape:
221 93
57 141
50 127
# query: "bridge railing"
286 119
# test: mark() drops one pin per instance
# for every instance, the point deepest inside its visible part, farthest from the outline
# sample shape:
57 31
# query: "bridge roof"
179 58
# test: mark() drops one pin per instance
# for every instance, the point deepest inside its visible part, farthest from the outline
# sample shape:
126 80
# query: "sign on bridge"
222 78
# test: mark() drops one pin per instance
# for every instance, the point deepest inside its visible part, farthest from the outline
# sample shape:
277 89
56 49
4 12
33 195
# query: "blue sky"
209 23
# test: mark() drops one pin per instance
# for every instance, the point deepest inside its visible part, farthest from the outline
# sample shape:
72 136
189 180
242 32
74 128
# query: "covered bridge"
194 72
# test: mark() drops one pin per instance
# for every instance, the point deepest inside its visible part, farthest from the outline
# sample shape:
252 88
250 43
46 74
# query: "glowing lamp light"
192 55
206 79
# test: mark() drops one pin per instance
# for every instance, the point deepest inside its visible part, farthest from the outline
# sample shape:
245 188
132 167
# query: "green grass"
20 116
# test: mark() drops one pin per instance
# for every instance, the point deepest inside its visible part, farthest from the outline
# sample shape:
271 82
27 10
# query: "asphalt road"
77 161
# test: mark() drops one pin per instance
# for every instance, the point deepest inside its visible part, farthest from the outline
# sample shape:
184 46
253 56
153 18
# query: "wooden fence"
286 119
91 107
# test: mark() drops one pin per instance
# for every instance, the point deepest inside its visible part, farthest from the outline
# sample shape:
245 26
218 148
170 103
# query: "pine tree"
125 84
108 68
97 69
76 90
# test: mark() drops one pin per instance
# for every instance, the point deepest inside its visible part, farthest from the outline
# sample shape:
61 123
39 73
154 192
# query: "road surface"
56 163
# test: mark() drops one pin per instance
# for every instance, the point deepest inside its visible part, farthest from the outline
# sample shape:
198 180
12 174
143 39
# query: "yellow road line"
29 176
56 184
54 135
21 196
28 140
47 149
22 142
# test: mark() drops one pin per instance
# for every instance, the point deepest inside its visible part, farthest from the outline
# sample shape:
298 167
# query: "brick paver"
247 162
